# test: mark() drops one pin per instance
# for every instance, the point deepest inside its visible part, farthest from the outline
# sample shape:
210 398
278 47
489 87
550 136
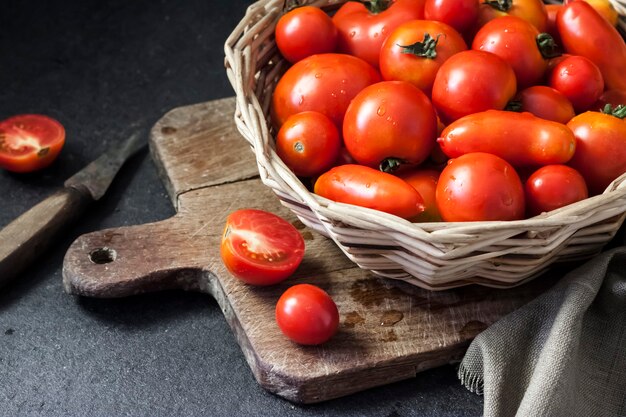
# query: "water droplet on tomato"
353 34
342 92
381 111
333 94
318 75
301 100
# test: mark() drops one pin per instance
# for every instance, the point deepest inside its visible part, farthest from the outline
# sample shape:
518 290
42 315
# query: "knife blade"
22 240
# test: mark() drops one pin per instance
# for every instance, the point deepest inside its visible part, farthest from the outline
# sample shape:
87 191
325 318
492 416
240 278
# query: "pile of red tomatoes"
453 110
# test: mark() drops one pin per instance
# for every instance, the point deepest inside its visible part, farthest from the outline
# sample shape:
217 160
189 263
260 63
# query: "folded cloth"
562 354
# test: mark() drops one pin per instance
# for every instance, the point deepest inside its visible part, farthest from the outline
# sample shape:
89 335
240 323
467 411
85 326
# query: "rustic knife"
22 240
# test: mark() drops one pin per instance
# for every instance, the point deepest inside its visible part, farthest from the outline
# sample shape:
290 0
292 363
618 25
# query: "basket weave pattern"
429 255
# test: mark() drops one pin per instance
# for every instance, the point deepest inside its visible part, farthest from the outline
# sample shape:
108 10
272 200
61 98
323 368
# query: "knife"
22 240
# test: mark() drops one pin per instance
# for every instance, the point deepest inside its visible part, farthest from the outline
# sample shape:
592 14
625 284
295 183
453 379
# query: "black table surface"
98 66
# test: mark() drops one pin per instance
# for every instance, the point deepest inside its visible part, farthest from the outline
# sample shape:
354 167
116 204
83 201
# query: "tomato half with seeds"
260 248
30 142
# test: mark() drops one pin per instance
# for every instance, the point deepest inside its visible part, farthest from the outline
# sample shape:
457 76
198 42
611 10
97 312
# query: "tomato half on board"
260 248
29 142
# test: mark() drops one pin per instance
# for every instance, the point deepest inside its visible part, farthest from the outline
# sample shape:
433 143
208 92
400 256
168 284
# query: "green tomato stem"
547 46
426 48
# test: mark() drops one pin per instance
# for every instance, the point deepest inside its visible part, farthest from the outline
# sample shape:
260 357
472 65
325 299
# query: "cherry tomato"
518 43
370 188
470 82
305 31
425 182
533 11
415 50
546 103
260 248
459 14
479 187
552 187
578 79
325 83
389 124
613 97
29 142
308 143
600 148
585 32
307 315
519 138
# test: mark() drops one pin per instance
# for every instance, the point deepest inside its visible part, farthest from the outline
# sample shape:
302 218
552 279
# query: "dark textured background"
97 66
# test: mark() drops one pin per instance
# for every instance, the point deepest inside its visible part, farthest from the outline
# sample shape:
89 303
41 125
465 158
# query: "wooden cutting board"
389 330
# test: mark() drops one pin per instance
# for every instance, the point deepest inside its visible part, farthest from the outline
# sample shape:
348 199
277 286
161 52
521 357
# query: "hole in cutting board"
103 255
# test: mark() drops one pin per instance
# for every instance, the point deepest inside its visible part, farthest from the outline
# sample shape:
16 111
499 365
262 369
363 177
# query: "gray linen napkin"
562 354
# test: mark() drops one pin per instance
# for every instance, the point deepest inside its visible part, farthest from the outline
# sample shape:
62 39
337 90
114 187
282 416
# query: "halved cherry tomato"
425 182
578 79
546 103
260 248
370 188
30 142
533 11
305 31
552 187
460 14
307 315
479 187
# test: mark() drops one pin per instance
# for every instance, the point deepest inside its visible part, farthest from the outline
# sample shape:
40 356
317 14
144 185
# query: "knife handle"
22 240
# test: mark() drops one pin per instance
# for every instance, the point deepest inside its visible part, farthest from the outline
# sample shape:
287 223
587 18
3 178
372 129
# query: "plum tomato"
307 315
546 103
260 248
425 182
459 14
578 79
552 187
305 31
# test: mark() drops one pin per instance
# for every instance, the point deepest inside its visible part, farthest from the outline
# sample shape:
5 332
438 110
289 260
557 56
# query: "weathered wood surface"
389 330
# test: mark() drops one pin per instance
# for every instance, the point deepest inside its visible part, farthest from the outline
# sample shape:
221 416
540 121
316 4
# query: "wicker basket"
430 255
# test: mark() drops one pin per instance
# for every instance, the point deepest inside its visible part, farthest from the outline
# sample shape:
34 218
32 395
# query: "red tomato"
470 82
613 97
307 315
29 142
460 14
546 103
260 248
370 188
518 43
479 187
585 32
578 79
552 187
308 143
605 9
552 10
325 83
533 11
415 51
362 32
425 182
600 148
305 31
388 124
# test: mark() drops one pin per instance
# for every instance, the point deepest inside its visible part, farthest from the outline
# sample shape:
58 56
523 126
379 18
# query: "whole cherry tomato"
325 83
578 79
600 147
552 187
519 138
585 32
371 188
533 11
425 182
471 82
415 50
389 124
479 187
363 27
260 248
308 143
305 31
519 43
613 97
29 142
459 14
307 315
546 103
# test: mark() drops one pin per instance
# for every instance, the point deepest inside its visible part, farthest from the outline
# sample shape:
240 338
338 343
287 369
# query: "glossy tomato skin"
586 33
546 103
260 248
605 9
396 63
30 142
600 149
479 187
325 83
308 143
370 188
522 139
459 14
533 11
307 315
425 182
613 97
305 31
552 10
578 79
471 82
390 119
552 187
514 40
362 33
